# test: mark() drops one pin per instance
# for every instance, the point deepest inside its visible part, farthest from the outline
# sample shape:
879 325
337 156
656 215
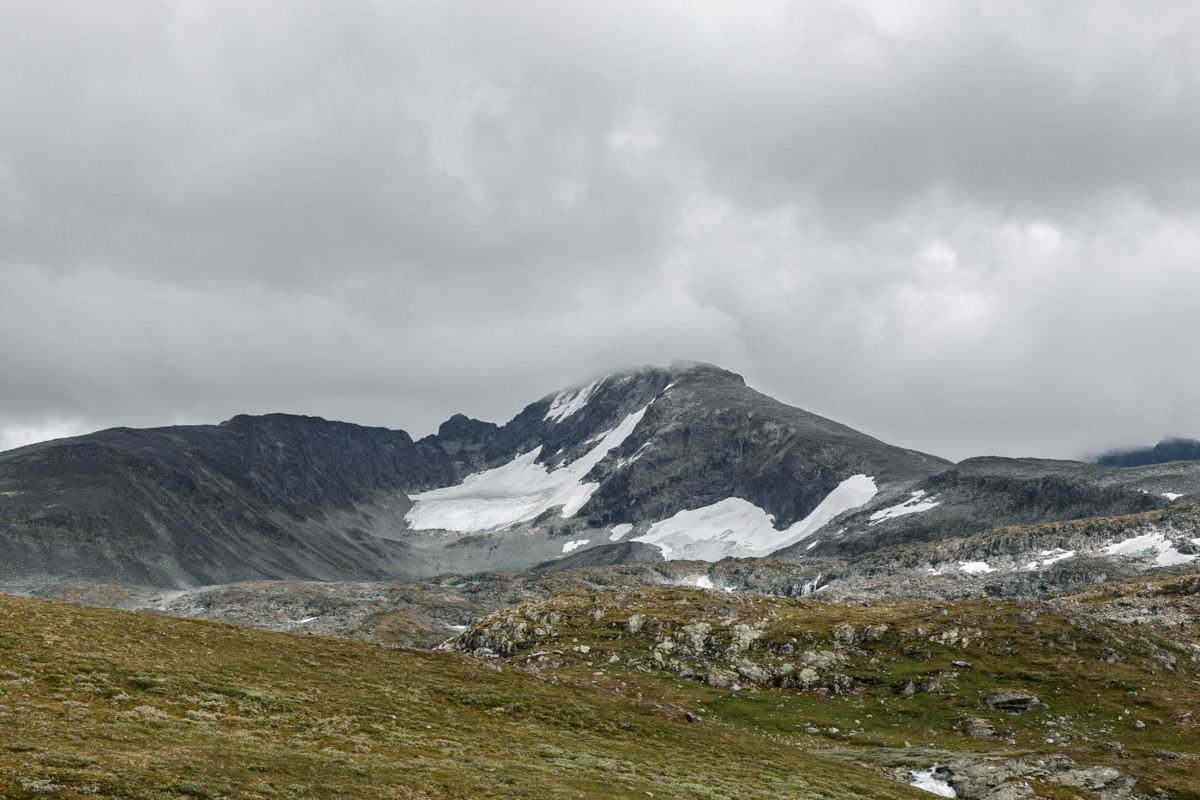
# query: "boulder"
978 728
1012 702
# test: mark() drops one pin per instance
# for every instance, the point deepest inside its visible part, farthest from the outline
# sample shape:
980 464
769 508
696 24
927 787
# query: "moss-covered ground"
102 703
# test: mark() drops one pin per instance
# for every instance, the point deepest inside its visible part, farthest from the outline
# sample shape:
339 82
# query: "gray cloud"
963 227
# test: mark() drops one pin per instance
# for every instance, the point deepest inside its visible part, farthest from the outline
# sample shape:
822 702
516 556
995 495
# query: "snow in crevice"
619 531
625 462
516 492
1054 556
913 505
1167 556
570 401
735 527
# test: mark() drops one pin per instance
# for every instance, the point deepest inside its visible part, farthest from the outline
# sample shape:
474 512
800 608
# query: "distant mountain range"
1166 450
683 462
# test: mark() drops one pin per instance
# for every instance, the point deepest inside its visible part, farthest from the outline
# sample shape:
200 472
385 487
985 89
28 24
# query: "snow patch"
923 779
913 505
574 543
618 531
516 492
699 581
735 527
1167 556
812 544
1172 496
570 401
975 567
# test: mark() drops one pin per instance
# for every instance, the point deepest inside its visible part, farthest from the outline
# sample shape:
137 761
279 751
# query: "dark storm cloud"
964 227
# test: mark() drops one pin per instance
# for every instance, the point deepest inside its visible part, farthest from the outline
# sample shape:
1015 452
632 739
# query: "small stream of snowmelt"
923 779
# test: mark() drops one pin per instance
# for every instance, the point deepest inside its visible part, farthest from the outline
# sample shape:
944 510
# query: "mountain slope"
249 498
684 462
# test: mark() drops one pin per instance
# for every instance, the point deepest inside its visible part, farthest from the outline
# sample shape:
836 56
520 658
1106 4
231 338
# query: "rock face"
254 497
1008 778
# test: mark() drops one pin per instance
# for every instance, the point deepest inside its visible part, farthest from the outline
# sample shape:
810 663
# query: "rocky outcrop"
1010 778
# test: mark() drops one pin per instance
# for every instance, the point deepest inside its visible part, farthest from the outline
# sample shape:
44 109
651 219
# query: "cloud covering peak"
962 227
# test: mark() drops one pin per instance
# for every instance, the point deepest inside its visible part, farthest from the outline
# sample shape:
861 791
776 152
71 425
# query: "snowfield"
738 528
1167 556
519 491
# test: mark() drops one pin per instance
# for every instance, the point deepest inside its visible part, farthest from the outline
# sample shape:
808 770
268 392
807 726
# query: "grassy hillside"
96 702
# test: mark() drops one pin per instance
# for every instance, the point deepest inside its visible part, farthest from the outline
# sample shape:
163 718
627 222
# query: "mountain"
683 462
1164 451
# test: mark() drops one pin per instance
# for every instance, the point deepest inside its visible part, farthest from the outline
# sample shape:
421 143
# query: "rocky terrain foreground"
1089 692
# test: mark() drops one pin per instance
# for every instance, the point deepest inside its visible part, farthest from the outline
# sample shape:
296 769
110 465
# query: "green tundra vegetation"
662 692
96 702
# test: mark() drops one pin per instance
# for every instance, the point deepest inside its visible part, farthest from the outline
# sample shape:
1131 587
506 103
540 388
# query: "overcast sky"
963 227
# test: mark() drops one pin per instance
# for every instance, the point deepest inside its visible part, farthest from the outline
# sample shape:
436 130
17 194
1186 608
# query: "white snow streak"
735 527
571 545
914 505
570 401
618 531
516 492
975 567
1172 496
1057 554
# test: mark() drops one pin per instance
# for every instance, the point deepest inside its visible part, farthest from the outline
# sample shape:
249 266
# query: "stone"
720 678
1012 702
978 728
845 634
874 632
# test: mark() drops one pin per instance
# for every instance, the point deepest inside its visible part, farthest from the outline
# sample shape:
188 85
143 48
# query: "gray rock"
978 728
1012 702
720 678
